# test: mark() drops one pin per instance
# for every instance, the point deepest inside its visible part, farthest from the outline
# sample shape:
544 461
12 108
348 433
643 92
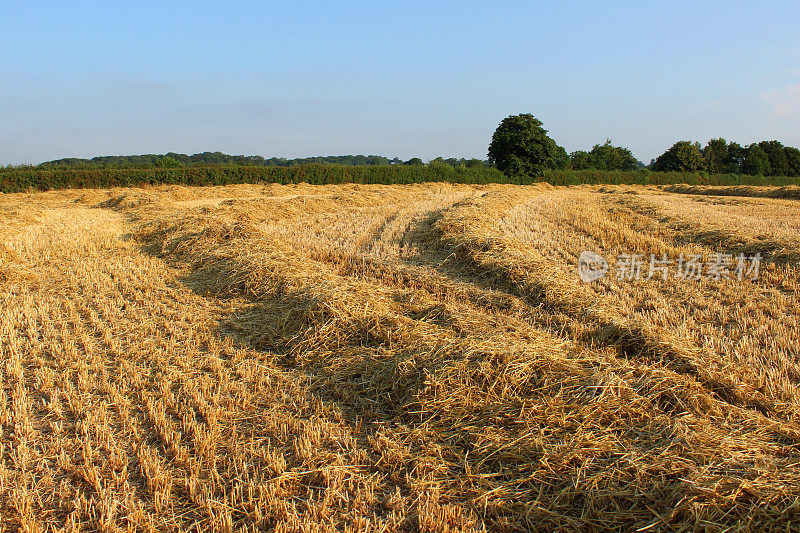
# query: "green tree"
792 161
521 147
777 157
756 161
609 157
683 156
414 161
734 159
167 162
580 160
715 154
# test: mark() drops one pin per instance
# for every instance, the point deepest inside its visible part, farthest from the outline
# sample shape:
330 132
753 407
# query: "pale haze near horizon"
297 79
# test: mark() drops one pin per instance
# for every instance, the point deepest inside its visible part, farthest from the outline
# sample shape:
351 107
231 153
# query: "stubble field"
384 358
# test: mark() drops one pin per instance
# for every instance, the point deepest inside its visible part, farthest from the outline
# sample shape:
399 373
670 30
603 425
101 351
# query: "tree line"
520 152
765 158
718 156
521 146
206 159
219 159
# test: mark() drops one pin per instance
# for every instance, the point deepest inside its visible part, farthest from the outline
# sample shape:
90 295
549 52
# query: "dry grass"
384 358
787 192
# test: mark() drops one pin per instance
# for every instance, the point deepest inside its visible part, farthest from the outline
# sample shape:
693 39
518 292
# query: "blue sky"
80 79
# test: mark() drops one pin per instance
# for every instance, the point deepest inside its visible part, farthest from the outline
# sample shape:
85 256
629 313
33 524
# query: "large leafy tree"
792 160
734 158
714 155
683 156
756 161
580 160
776 156
521 147
609 157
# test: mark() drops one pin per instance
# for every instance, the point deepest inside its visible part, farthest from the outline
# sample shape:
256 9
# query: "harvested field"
789 191
396 358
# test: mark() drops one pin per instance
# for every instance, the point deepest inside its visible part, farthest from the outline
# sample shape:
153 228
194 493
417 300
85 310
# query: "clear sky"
301 78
